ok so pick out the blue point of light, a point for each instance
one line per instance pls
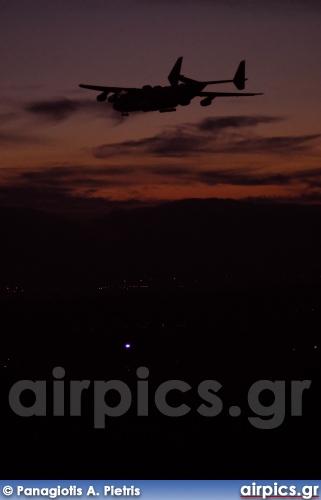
(127, 346)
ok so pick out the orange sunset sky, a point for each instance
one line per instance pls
(63, 151)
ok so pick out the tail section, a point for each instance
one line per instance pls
(239, 77)
(174, 75)
(184, 79)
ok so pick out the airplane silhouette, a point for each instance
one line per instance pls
(165, 99)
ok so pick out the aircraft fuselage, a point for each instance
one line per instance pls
(155, 98)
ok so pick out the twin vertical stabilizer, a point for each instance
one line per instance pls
(239, 77)
(174, 75)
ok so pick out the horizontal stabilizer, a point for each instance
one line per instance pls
(238, 80)
(227, 94)
(184, 79)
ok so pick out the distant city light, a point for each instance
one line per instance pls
(127, 346)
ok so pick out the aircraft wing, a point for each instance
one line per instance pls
(212, 95)
(106, 89)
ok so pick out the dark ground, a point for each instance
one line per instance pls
(203, 290)
(235, 337)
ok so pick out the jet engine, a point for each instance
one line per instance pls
(102, 97)
(206, 102)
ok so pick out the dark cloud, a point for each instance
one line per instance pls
(75, 189)
(59, 200)
(54, 111)
(164, 144)
(214, 124)
(72, 190)
(311, 178)
(59, 109)
(309, 197)
(236, 178)
(211, 135)
(103, 110)
(277, 144)
(71, 177)
(49, 175)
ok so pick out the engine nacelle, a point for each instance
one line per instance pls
(206, 102)
(102, 97)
